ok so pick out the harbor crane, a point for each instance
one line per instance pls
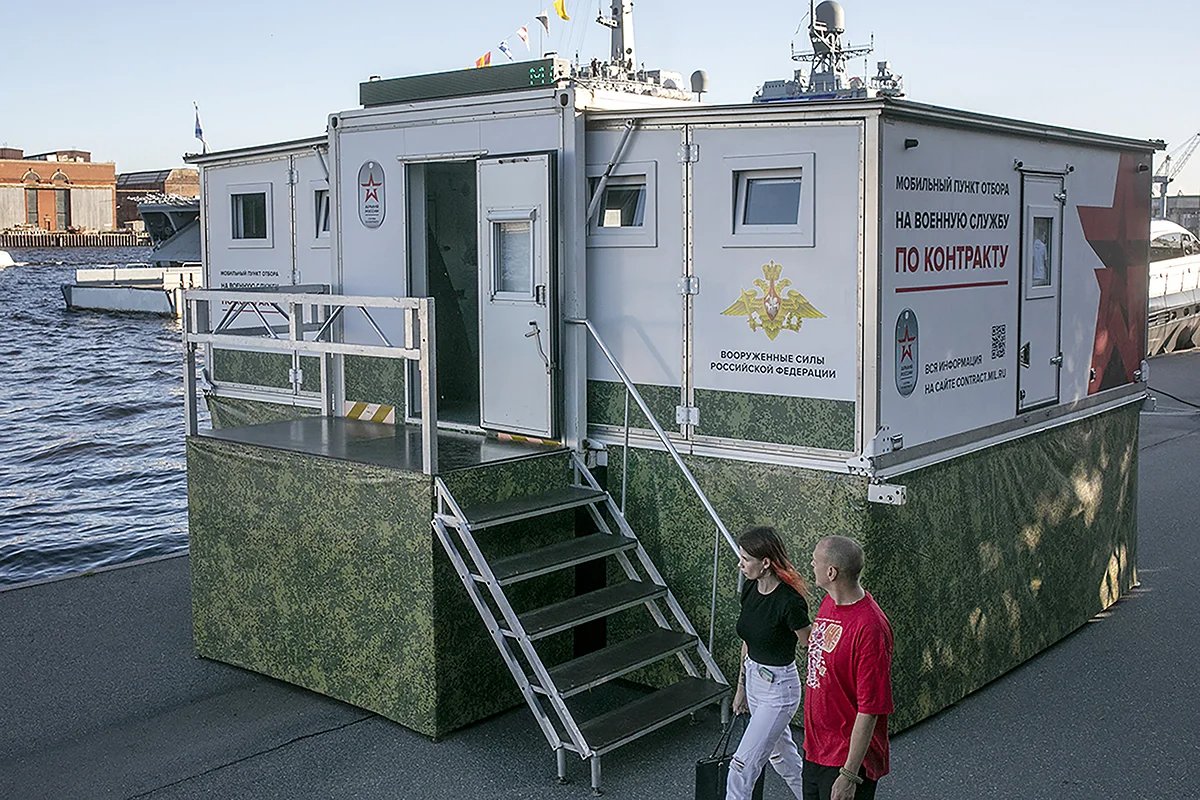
(1171, 166)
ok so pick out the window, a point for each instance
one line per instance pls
(772, 201)
(512, 243)
(1043, 253)
(321, 204)
(626, 213)
(62, 209)
(249, 215)
(624, 202)
(31, 207)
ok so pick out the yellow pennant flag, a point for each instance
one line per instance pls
(484, 60)
(561, 7)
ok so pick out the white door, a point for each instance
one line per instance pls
(1040, 357)
(516, 338)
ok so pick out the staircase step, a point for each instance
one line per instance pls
(560, 499)
(559, 555)
(618, 659)
(587, 607)
(615, 728)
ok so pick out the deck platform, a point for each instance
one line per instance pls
(391, 446)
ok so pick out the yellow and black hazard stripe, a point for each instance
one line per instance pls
(513, 437)
(371, 412)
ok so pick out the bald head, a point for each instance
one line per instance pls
(844, 553)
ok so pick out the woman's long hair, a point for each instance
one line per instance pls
(763, 541)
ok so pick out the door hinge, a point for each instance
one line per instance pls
(892, 494)
(689, 284)
(293, 177)
(687, 415)
(689, 154)
(1061, 197)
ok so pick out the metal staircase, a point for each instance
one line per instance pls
(548, 688)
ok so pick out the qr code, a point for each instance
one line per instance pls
(998, 339)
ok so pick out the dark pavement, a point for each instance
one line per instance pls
(101, 697)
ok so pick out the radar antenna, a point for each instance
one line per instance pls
(827, 23)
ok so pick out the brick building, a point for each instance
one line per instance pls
(132, 185)
(58, 190)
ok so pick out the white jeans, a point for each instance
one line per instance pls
(768, 735)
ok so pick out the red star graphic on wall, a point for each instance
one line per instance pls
(372, 188)
(1120, 235)
(906, 345)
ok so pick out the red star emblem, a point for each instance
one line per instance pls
(1120, 235)
(906, 345)
(372, 189)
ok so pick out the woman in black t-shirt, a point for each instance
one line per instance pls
(774, 617)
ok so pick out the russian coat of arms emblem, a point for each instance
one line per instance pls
(772, 305)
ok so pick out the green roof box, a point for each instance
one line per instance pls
(463, 82)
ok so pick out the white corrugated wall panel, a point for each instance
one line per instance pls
(12, 206)
(92, 209)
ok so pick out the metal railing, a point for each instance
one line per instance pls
(309, 323)
(631, 391)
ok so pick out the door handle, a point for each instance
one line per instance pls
(535, 333)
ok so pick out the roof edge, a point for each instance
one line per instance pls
(254, 150)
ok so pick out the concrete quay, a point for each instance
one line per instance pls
(103, 698)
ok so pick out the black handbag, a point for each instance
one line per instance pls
(712, 772)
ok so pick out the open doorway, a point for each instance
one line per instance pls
(444, 265)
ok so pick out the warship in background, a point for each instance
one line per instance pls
(828, 78)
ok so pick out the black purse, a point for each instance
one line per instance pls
(712, 772)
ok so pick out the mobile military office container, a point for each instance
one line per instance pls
(654, 322)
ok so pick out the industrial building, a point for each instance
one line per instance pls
(1184, 209)
(56, 191)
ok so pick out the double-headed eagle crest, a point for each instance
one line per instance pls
(778, 308)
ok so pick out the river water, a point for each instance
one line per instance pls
(91, 425)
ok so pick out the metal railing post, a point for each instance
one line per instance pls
(428, 368)
(190, 420)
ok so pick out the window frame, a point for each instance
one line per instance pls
(626, 173)
(496, 219)
(743, 170)
(1032, 214)
(320, 238)
(238, 189)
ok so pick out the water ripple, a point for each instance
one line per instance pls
(92, 469)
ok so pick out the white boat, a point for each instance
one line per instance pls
(5, 260)
(148, 288)
(1174, 309)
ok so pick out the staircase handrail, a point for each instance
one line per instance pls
(658, 429)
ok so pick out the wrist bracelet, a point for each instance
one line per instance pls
(850, 776)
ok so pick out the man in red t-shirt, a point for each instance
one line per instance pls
(848, 689)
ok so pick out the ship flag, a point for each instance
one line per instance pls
(523, 35)
(503, 48)
(484, 60)
(200, 130)
(561, 7)
(544, 18)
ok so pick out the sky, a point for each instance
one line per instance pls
(119, 78)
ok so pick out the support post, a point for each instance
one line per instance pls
(428, 387)
(595, 761)
(192, 318)
(560, 756)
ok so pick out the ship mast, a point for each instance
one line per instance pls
(621, 24)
